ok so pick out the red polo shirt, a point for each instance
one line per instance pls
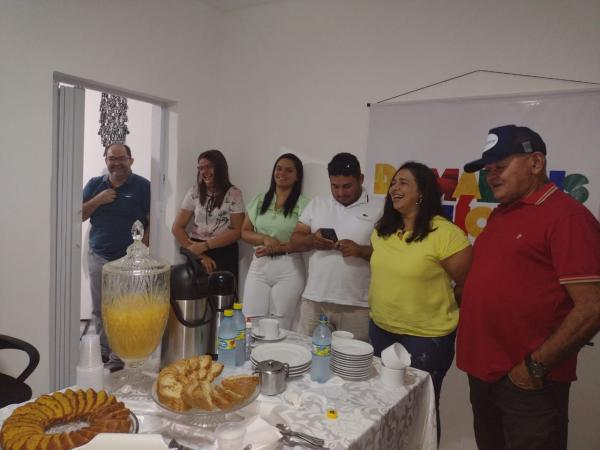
(514, 297)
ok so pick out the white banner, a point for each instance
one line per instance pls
(446, 134)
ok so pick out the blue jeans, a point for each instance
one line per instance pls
(431, 354)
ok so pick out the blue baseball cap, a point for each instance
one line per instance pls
(505, 141)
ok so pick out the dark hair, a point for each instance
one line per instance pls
(292, 199)
(221, 183)
(430, 205)
(345, 164)
(127, 149)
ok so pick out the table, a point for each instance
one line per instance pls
(370, 416)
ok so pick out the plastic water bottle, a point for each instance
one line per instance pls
(227, 334)
(321, 351)
(240, 338)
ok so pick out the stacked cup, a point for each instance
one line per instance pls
(394, 361)
(90, 370)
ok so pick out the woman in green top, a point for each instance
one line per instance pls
(276, 276)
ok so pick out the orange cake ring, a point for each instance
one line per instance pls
(28, 425)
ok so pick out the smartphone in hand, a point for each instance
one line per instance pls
(328, 233)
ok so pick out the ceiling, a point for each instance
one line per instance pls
(229, 5)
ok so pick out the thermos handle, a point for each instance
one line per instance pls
(192, 259)
(198, 271)
(191, 323)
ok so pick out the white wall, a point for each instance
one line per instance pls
(158, 48)
(298, 74)
(294, 74)
(139, 139)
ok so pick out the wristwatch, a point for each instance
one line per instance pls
(536, 369)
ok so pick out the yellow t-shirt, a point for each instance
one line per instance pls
(410, 292)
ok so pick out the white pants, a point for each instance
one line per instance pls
(274, 286)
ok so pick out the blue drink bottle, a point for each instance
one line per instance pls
(240, 338)
(321, 351)
(227, 334)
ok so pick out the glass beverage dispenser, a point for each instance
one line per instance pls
(135, 307)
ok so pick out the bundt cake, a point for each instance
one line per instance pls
(188, 383)
(26, 428)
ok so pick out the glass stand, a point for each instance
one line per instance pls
(134, 381)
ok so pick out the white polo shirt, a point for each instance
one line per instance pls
(331, 277)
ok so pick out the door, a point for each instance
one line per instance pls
(66, 230)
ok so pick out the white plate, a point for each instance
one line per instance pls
(353, 368)
(292, 354)
(129, 441)
(282, 335)
(366, 357)
(353, 347)
(350, 372)
(345, 360)
(349, 378)
(353, 377)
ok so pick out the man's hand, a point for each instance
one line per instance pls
(349, 248)
(318, 242)
(520, 377)
(106, 196)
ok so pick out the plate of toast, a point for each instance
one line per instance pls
(197, 386)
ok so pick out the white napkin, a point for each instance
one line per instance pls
(396, 356)
(260, 433)
(123, 441)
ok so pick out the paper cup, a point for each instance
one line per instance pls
(269, 328)
(392, 377)
(230, 435)
(395, 357)
(87, 377)
(89, 351)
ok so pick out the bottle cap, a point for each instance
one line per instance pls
(323, 318)
(332, 414)
(228, 312)
(237, 305)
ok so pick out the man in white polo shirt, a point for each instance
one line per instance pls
(338, 272)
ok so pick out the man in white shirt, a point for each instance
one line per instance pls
(338, 271)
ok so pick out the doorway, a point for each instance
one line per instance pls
(156, 146)
(139, 139)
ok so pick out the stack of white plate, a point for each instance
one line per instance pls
(351, 359)
(296, 356)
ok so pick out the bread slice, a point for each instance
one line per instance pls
(198, 395)
(233, 397)
(52, 403)
(90, 400)
(244, 385)
(65, 403)
(215, 370)
(33, 441)
(220, 400)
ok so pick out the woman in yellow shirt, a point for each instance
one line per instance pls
(417, 255)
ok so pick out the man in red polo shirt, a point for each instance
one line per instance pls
(531, 299)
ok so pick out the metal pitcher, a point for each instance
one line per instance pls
(273, 376)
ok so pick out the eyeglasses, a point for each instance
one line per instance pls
(117, 158)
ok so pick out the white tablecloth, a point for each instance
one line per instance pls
(370, 416)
